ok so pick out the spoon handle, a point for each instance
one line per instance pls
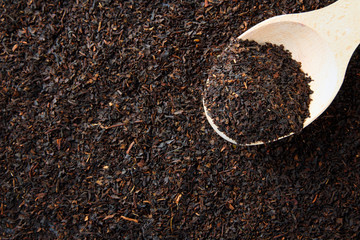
(339, 25)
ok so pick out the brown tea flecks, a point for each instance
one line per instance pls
(257, 92)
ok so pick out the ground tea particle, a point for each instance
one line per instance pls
(257, 92)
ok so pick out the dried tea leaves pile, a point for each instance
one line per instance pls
(257, 92)
(103, 136)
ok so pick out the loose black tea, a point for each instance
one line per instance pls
(257, 92)
(103, 136)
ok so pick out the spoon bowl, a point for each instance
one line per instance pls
(323, 41)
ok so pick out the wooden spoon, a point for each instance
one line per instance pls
(323, 41)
